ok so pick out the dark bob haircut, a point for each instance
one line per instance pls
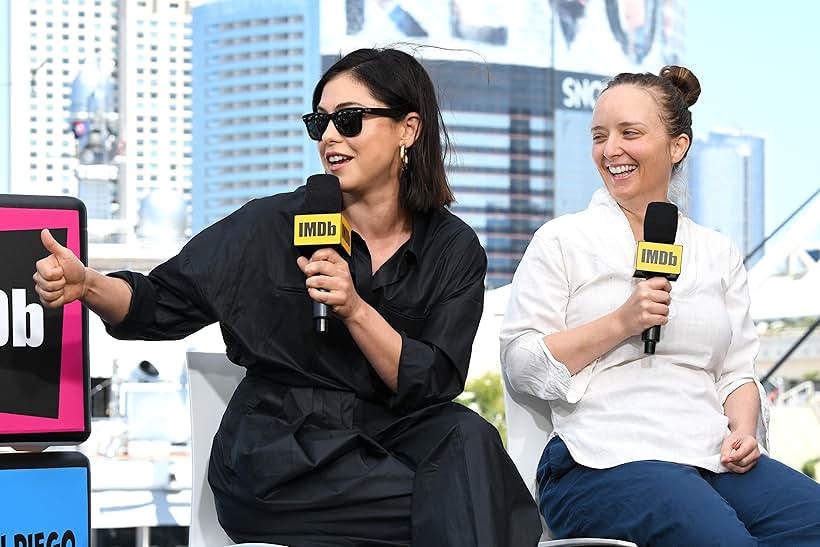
(399, 81)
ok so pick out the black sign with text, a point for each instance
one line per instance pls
(30, 335)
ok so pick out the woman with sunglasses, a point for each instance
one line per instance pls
(349, 437)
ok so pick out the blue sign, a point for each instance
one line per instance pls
(44, 506)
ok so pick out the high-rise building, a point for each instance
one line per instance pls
(516, 88)
(726, 187)
(154, 44)
(142, 49)
(254, 64)
(501, 170)
(49, 44)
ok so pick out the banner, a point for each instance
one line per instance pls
(44, 379)
(45, 501)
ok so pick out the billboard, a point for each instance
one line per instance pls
(44, 375)
(612, 36)
(586, 36)
(515, 32)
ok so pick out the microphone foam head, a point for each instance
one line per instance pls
(323, 194)
(661, 222)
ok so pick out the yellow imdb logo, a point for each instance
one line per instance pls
(658, 259)
(327, 229)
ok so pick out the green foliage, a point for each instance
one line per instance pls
(485, 396)
(810, 468)
(813, 375)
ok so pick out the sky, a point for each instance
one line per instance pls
(757, 66)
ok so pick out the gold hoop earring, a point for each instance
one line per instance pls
(404, 156)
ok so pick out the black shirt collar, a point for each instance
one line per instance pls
(405, 257)
(415, 245)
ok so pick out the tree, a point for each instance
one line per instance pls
(810, 468)
(485, 396)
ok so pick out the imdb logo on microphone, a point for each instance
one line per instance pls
(322, 230)
(658, 260)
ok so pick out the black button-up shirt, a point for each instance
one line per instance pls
(242, 272)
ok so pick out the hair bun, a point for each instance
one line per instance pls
(683, 79)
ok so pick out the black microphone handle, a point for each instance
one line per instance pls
(650, 338)
(320, 316)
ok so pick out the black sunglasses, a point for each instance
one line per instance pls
(348, 121)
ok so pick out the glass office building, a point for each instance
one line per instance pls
(726, 187)
(254, 64)
(119, 69)
(502, 167)
(155, 98)
(49, 45)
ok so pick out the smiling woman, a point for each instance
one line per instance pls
(640, 137)
(663, 448)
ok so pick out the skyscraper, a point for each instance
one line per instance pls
(142, 48)
(254, 62)
(501, 170)
(726, 187)
(49, 43)
(155, 97)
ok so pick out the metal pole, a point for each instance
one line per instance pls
(771, 235)
(143, 536)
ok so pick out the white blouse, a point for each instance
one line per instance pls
(626, 405)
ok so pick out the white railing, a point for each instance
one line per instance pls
(814, 402)
(801, 394)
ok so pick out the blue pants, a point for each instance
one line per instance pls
(655, 503)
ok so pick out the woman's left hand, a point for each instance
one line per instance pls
(328, 271)
(739, 452)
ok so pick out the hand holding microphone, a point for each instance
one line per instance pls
(657, 257)
(647, 306)
(323, 237)
(329, 284)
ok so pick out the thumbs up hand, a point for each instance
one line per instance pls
(60, 277)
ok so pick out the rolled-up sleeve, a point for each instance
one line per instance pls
(182, 295)
(537, 307)
(433, 366)
(738, 366)
(165, 305)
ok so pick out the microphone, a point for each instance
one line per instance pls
(321, 225)
(657, 255)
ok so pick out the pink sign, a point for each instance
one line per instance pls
(43, 398)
